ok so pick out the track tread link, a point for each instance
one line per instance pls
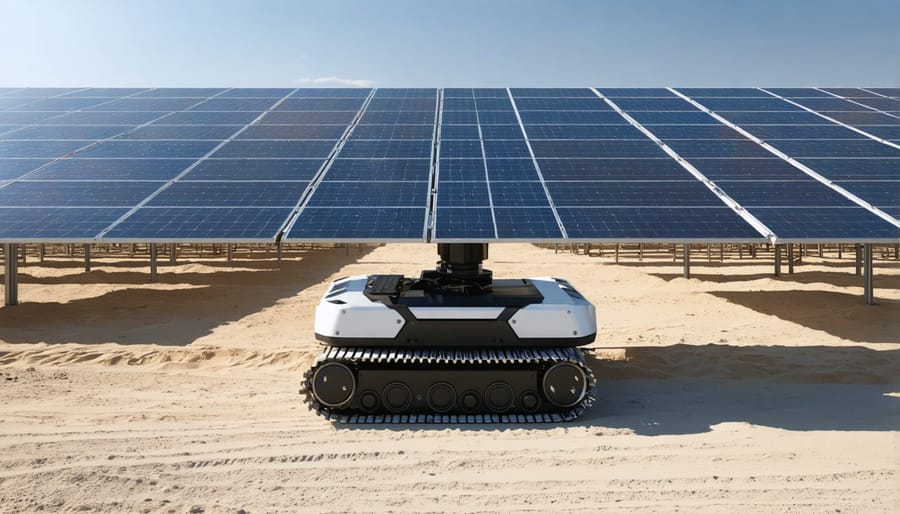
(548, 356)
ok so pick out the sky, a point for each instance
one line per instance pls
(458, 43)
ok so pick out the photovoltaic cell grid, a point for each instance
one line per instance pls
(530, 164)
(162, 164)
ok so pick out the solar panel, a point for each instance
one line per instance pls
(533, 164)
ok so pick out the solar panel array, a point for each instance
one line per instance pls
(449, 165)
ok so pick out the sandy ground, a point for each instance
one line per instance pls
(733, 391)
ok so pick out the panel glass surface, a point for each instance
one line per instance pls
(53, 223)
(199, 223)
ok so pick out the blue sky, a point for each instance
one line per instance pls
(449, 43)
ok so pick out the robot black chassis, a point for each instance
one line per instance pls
(453, 346)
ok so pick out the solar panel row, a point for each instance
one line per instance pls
(532, 164)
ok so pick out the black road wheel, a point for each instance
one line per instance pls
(334, 384)
(441, 397)
(396, 397)
(499, 397)
(565, 384)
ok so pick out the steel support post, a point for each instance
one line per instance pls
(687, 260)
(777, 260)
(173, 255)
(153, 254)
(858, 259)
(278, 250)
(790, 249)
(11, 273)
(87, 258)
(869, 288)
(230, 250)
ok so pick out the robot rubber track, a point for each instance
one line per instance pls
(397, 385)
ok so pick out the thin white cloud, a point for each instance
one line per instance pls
(335, 81)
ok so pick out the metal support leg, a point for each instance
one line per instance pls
(687, 260)
(617, 253)
(790, 259)
(42, 252)
(153, 274)
(858, 259)
(869, 289)
(87, 258)
(230, 249)
(173, 256)
(640, 252)
(278, 250)
(11, 273)
(777, 260)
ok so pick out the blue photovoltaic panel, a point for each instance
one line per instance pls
(583, 132)
(47, 224)
(25, 118)
(209, 132)
(882, 131)
(562, 104)
(394, 149)
(463, 194)
(835, 148)
(497, 132)
(459, 104)
(526, 223)
(330, 132)
(612, 169)
(340, 224)
(886, 91)
(61, 104)
(144, 149)
(402, 104)
(830, 104)
(802, 132)
(200, 223)
(255, 169)
(322, 92)
(229, 194)
(307, 118)
(394, 132)
(100, 118)
(181, 92)
(578, 117)
(497, 118)
(827, 223)
(370, 194)
(771, 168)
(748, 104)
(670, 132)
(205, 118)
(493, 104)
(733, 92)
(674, 118)
(75, 194)
(42, 92)
(880, 194)
(654, 104)
(460, 131)
(775, 118)
(490, 92)
(362, 170)
(518, 194)
(14, 168)
(454, 117)
(461, 170)
(631, 194)
(718, 148)
(552, 92)
(399, 118)
(798, 92)
(851, 92)
(703, 223)
(112, 169)
(256, 93)
(104, 92)
(627, 148)
(460, 149)
(505, 148)
(320, 104)
(860, 118)
(83, 132)
(629, 92)
(511, 169)
(406, 92)
(463, 223)
(147, 104)
(47, 149)
(235, 104)
(276, 149)
(805, 193)
(9, 103)
(882, 104)
(855, 169)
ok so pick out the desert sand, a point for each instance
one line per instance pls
(734, 391)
